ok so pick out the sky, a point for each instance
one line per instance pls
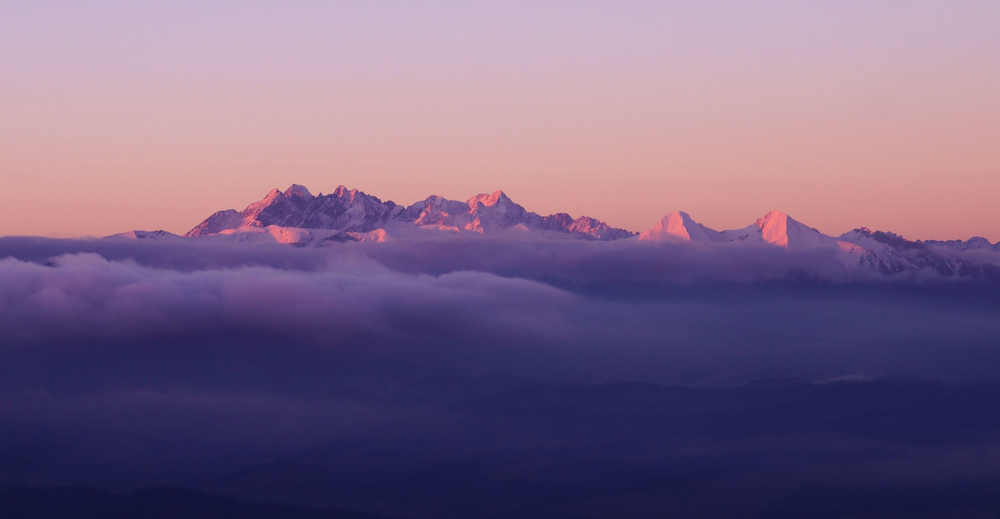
(120, 115)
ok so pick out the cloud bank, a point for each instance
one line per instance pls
(412, 378)
(581, 311)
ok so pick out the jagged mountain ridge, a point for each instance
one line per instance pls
(896, 254)
(352, 211)
(976, 243)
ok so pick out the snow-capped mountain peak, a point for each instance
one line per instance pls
(679, 226)
(298, 191)
(778, 228)
(489, 200)
(771, 217)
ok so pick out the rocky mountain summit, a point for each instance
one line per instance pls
(343, 210)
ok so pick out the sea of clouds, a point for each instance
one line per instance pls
(591, 311)
(139, 363)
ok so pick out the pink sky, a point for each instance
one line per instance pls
(122, 116)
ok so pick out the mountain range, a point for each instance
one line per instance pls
(360, 216)
(297, 217)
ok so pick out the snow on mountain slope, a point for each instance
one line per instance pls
(679, 226)
(894, 254)
(353, 211)
(778, 228)
(494, 212)
(775, 228)
(590, 226)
